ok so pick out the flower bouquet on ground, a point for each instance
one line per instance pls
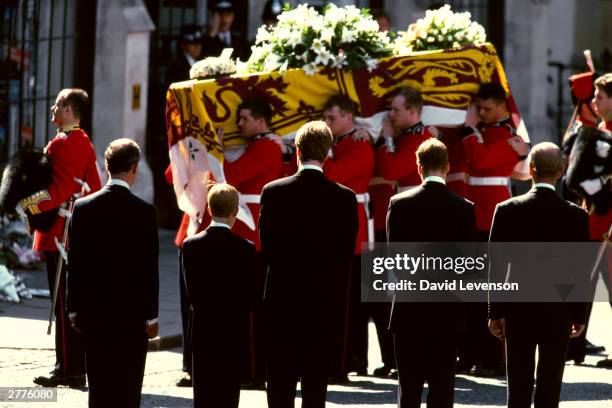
(341, 37)
(212, 67)
(440, 29)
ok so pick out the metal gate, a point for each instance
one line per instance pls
(38, 43)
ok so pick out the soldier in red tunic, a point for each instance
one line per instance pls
(351, 163)
(403, 133)
(258, 165)
(492, 149)
(73, 159)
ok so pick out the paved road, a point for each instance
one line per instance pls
(584, 386)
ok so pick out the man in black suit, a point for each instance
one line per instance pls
(426, 335)
(537, 216)
(189, 52)
(113, 280)
(308, 227)
(220, 34)
(220, 280)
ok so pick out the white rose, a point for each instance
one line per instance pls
(327, 34)
(347, 35)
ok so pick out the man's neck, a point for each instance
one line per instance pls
(73, 123)
(544, 181)
(310, 163)
(440, 174)
(227, 221)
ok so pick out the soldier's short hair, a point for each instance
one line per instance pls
(343, 102)
(604, 83)
(432, 155)
(77, 99)
(258, 107)
(546, 160)
(121, 155)
(412, 98)
(314, 140)
(493, 91)
(222, 200)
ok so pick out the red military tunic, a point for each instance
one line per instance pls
(491, 161)
(260, 164)
(352, 165)
(73, 157)
(401, 165)
(456, 179)
(600, 224)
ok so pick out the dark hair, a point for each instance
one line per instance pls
(222, 200)
(121, 155)
(77, 99)
(493, 91)
(314, 140)
(343, 102)
(412, 98)
(604, 83)
(432, 155)
(258, 107)
(380, 13)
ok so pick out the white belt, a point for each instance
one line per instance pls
(488, 181)
(401, 189)
(251, 198)
(365, 200)
(460, 176)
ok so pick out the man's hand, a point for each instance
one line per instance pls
(220, 133)
(387, 127)
(471, 119)
(497, 327)
(592, 186)
(577, 330)
(434, 131)
(518, 144)
(361, 135)
(152, 330)
(285, 148)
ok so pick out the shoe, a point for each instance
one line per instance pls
(464, 367)
(394, 374)
(55, 380)
(606, 363)
(185, 381)
(338, 380)
(382, 372)
(590, 348)
(480, 371)
(254, 385)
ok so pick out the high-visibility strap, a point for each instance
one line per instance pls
(459, 176)
(488, 181)
(364, 199)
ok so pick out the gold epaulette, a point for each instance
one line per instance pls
(30, 204)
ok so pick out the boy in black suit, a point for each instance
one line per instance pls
(219, 279)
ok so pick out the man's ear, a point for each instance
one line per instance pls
(134, 168)
(531, 169)
(235, 214)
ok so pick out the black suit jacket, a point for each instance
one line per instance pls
(308, 226)
(219, 272)
(178, 71)
(113, 260)
(540, 215)
(213, 46)
(430, 213)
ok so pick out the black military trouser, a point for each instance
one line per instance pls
(69, 348)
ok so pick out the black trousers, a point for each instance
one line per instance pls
(69, 348)
(521, 366)
(358, 314)
(380, 313)
(478, 346)
(216, 374)
(115, 369)
(186, 320)
(425, 357)
(299, 348)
